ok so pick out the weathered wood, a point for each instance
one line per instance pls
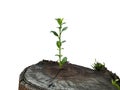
(46, 75)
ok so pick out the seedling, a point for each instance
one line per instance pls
(98, 66)
(114, 83)
(59, 42)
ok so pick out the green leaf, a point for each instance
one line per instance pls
(64, 41)
(64, 23)
(65, 28)
(64, 60)
(59, 27)
(58, 44)
(58, 55)
(55, 33)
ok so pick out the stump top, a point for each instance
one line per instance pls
(48, 76)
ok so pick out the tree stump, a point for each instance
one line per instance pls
(46, 75)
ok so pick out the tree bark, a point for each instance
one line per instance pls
(46, 75)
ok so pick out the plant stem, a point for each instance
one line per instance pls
(60, 45)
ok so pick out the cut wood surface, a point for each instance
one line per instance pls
(46, 75)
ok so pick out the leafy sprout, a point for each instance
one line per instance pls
(98, 66)
(60, 42)
(114, 83)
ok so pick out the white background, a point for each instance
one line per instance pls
(25, 38)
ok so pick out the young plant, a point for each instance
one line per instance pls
(114, 83)
(59, 42)
(98, 66)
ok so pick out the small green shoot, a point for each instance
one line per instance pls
(98, 66)
(114, 83)
(59, 42)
